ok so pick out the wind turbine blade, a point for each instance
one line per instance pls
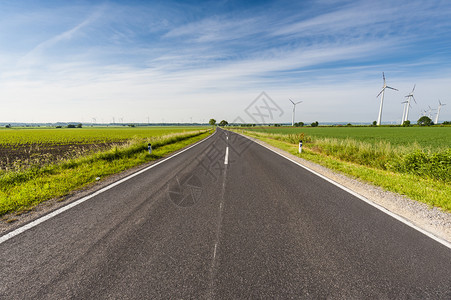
(298, 102)
(414, 99)
(405, 102)
(392, 88)
(383, 76)
(291, 101)
(413, 88)
(380, 93)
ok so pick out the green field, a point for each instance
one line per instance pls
(432, 138)
(87, 135)
(21, 148)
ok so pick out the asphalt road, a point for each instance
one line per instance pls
(203, 224)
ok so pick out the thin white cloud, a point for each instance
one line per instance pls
(219, 28)
(35, 55)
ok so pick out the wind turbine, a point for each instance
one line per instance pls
(440, 104)
(294, 108)
(423, 113)
(382, 98)
(409, 97)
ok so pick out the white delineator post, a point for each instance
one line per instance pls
(149, 147)
(300, 146)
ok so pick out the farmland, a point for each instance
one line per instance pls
(431, 138)
(21, 148)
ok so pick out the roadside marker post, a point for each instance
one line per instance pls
(149, 147)
(300, 146)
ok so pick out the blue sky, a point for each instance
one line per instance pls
(192, 60)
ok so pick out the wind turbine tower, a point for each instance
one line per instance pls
(409, 97)
(404, 111)
(382, 98)
(440, 104)
(294, 109)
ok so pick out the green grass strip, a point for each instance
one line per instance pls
(432, 192)
(22, 190)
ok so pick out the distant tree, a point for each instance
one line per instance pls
(425, 121)
(299, 124)
(222, 123)
(59, 126)
(131, 125)
(374, 123)
(314, 124)
(79, 125)
(446, 123)
(406, 123)
(8, 126)
(349, 124)
(71, 126)
(212, 122)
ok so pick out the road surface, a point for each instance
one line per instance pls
(226, 219)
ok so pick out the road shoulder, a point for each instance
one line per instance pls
(433, 220)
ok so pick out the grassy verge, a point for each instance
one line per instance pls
(22, 190)
(432, 191)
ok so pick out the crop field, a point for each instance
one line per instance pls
(20, 148)
(431, 138)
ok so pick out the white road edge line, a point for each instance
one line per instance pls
(381, 208)
(226, 159)
(214, 252)
(42, 219)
